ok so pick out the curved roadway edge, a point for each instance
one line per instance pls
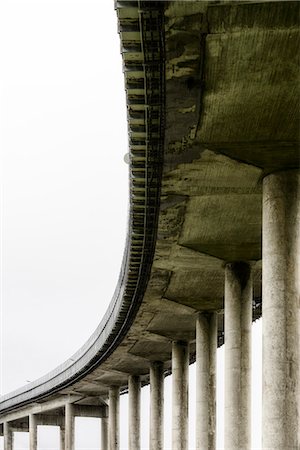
(140, 27)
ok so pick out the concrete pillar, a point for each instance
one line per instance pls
(180, 379)
(69, 426)
(156, 406)
(134, 412)
(238, 322)
(32, 432)
(8, 436)
(113, 418)
(62, 438)
(206, 352)
(280, 311)
(104, 433)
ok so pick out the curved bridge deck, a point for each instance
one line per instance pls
(213, 110)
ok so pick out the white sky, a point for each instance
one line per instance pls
(63, 135)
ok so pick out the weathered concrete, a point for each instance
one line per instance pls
(113, 418)
(281, 227)
(104, 434)
(62, 438)
(214, 135)
(8, 436)
(32, 432)
(134, 412)
(180, 382)
(156, 438)
(206, 353)
(69, 426)
(238, 321)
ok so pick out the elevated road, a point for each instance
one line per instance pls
(213, 116)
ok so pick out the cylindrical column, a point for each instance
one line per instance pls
(113, 418)
(69, 426)
(206, 352)
(238, 322)
(156, 405)
(8, 436)
(180, 379)
(134, 412)
(32, 432)
(104, 433)
(62, 443)
(280, 311)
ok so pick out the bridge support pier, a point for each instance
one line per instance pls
(104, 433)
(113, 418)
(32, 432)
(180, 379)
(280, 311)
(69, 426)
(8, 436)
(206, 352)
(134, 413)
(156, 405)
(62, 438)
(238, 322)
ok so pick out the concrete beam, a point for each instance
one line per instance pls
(43, 407)
(180, 380)
(156, 406)
(280, 311)
(134, 412)
(91, 411)
(54, 420)
(206, 353)
(238, 322)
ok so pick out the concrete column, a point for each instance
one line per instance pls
(238, 322)
(69, 426)
(206, 352)
(180, 379)
(134, 412)
(113, 418)
(8, 436)
(280, 311)
(104, 433)
(32, 432)
(156, 406)
(62, 438)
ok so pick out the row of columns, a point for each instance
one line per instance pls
(281, 409)
(281, 332)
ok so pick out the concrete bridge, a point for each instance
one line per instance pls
(213, 237)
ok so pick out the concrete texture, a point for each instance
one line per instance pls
(134, 412)
(180, 389)
(62, 438)
(33, 432)
(238, 321)
(104, 434)
(114, 418)
(281, 357)
(8, 436)
(156, 431)
(213, 107)
(69, 426)
(206, 354)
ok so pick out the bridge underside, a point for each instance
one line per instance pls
(231, 120)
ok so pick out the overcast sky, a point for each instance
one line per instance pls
(64, 190)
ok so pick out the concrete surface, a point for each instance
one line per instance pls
(213, 108)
